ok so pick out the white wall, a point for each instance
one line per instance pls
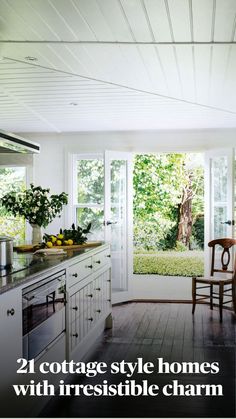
(50, 165)
(161, 287)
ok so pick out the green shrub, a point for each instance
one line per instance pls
(198, 231)
(150, 233)
(180, 247)
(170, 264)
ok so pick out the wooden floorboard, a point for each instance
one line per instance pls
(168, 331)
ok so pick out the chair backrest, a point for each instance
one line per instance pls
(226, 244)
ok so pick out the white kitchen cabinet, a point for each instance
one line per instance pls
(89, 299)
(10, 340)
(88, 306)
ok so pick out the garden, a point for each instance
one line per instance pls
(169, 214)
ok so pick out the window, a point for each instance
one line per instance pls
(12, 179)
(89, 194)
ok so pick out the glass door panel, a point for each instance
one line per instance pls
(220, 196)
(118, 226)
(118, 223)
(219, 199)
(102, 195)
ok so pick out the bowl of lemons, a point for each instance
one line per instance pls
(76, 235)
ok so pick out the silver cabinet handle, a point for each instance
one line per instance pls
(75, 275)
(75, 335)
(75, 308)
(11, 312)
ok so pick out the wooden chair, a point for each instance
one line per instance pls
(225, 285)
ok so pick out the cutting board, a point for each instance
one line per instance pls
(30, 248)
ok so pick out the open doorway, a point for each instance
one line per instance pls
(168, 209)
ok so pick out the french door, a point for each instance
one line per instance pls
(220, 178)
(118, 219)
(102, 195)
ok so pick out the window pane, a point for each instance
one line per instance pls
(219, 195)
(118, 226)
(84, 216)
(90, 181)
(118, 181)
(12, 179)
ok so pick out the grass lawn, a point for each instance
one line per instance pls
(170, 263)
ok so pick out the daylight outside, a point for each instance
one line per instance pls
(168, 209)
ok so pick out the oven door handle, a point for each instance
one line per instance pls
(28, 298)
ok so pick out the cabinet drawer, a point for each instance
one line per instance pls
(79, 271)
(101, 259)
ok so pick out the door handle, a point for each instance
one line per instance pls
(229, 222)
(107, 223)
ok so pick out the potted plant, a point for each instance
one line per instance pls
(36, 205)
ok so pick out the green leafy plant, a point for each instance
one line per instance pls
(74, 235)
(34, 204)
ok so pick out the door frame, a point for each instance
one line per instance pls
(123, 295)
(229, 152)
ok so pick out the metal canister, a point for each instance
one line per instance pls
(6, 252)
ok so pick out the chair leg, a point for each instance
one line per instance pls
(211, 297)
(221, 295)
(193, 294)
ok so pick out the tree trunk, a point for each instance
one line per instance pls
(185, 216)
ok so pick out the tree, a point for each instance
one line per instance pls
(168, 198)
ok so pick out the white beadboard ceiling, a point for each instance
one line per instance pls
(81, 65)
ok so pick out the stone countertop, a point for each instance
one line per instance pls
(29, 266)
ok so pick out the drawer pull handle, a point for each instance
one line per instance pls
(75, 335)
(98, 311)
(108, 256)
(97, 261)
(90, 295)
(98, 289)
(89, 266)
(109, 300)
(75, 308)
(11, 312)
(90, 319)
(108, 280)
(75, 275)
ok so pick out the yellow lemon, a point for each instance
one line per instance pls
(53, 239)
(70, 242)
(65, 242)
(58, 242)
(60, 236)
(49, 244)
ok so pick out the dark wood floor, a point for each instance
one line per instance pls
(168, 331)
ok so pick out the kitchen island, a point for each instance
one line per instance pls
(52, 308)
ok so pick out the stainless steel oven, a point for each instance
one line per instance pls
(43, 314)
